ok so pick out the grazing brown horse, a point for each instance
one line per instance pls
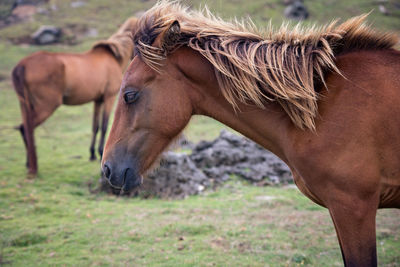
(43, 81)
(326, 101)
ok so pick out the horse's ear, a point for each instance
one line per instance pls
(172, 35)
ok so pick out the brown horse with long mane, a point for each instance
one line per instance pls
(326, 101)
(43, 81)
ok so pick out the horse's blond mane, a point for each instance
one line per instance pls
(120, 43)
(252, 66)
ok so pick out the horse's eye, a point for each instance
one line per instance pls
(131, 96)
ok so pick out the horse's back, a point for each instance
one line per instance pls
(89, 75)
(76, 78)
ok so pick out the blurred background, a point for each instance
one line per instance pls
(61, 218)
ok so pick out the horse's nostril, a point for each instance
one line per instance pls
(107, 171)
(125, 176)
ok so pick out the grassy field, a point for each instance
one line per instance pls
(54, 220)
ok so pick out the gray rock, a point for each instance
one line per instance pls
(77, 4)
(383, 10)
(182, 143)
(296, 11)
(92, 32)
(176, 177)
(231, 154)
(47, 35)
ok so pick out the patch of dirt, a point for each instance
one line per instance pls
(220, 243)
(15, 11)
(24, 12)
(21, 40)
(243, 247)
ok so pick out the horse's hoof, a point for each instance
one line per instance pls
(93, 158)
(31, 175)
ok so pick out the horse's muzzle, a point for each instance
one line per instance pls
(122, 177)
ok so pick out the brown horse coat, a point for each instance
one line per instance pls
(325, 101)
(43, 81)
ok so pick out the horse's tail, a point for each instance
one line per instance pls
(27, 110)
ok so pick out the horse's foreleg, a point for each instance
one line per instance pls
(354, 221)
(108, 104)
(95, 128)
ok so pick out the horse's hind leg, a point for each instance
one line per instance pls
(21, 129)
(354, 221)
(30, 141)
(26, 129)
(32, 119)
(108, 104)
(95, 128)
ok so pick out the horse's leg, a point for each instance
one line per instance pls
(29, 127)
(354, 221)
(27, 111)
(95, 128)
(21, 129)
(34, 118)
(108, 104)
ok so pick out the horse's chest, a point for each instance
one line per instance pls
(300, 183)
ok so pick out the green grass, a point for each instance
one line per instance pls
(54, 220)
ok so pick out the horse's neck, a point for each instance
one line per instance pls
(267, 127)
